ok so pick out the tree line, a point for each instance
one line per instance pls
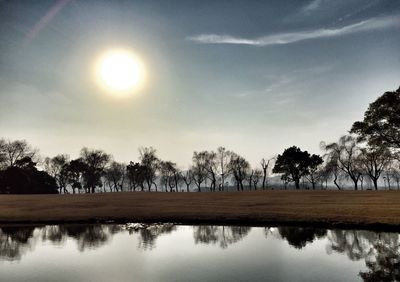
(368, 154)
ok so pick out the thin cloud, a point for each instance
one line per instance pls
(292, 37)
(313, 5)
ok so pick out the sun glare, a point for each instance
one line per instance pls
(119, 71)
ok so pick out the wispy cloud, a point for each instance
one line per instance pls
(313, 5)
(291, 37)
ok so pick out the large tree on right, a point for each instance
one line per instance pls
(381, 124)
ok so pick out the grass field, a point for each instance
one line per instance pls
(361, 209)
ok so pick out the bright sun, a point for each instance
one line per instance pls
(119, 71)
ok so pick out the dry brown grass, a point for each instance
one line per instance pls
(364, 209)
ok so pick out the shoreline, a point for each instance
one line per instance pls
(371, 210)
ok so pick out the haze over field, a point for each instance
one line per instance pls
(253, 76)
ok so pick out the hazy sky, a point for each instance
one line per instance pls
(254, 76)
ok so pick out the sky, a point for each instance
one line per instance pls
(252, 76)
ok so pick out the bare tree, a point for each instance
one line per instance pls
(75, 170)
(95, 163)
(136, 176)
(249, 177)
(13, 151)
(211, 165)
(240, 168)
(187, 177)
(395, 172)
(223, 158)
(115, 175)
(265, 165)
(170, 175)
(57, 167)
(314, 169)
(165, 168)
(257, 175)
(199, 168)
(176, 178)
(374, 161)
(346, 153)
(150, 162)
(2, 153)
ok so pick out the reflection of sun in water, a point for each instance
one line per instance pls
(119, 71)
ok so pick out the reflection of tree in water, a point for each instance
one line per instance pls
(91, 236)
(356, 244)
(14, 241)
(385, 266)
(381, 252)
(148, 233)
(297, 237)
(223, 235)
(86, 236)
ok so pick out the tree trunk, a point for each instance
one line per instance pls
(335, 182)
(355, 185)
(375, 181)
(264, 178)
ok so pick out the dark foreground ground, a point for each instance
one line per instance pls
(352, 209)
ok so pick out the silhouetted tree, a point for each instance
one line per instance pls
(265, 165)
(257, 175)
(115, 176)
(381, 124)
(187, 177)
(374, 161)
(57, 167)
(74, 171)
(150, 163)
(395, 172)
(166, 168)
(136, 174)
(223, 158)
(2, 154)
(170, 175)
(24, 178)
(13, 151)
(314, 170)
(95, 162)
(199, 168)
(176, 178)
(240, 168)
(211, 164)
(346, 154)
(294, 164)
(250, 178)
(332, 170)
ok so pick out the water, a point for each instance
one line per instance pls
(167, 252)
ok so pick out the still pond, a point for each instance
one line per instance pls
(168, 252)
